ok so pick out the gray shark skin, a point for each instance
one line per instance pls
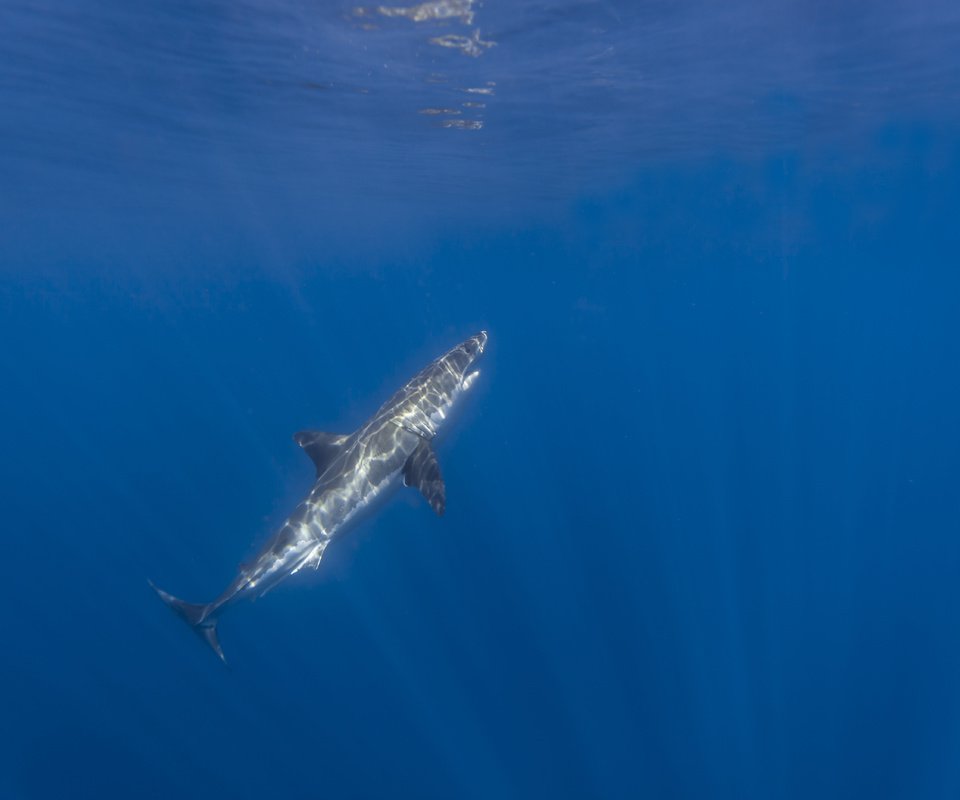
(355, 472)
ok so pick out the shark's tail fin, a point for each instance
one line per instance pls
(197, 616)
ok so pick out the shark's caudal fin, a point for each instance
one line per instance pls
(195, 615)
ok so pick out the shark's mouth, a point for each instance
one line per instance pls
(468, 379)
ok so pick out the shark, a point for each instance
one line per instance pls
(355, 474)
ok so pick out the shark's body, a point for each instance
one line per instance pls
(354, 472)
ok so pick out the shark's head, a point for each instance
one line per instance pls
(460, 360)
(432, 394)
(424, 404)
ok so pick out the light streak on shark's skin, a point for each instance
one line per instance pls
(354, 472)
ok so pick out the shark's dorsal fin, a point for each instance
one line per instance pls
(321, 447)
(423, 472)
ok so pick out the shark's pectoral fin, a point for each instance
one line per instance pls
(423, 472)
(321, 447)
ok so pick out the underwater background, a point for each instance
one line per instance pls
(702, 535)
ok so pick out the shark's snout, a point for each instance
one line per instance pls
(475, 344)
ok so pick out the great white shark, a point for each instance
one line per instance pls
(355, 473)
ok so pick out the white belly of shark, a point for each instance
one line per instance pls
(356, 473)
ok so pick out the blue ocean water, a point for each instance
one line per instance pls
(702, 535)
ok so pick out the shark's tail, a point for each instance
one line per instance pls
(197, 616)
